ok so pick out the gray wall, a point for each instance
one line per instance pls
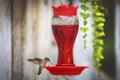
(5, 40)
(117, 37)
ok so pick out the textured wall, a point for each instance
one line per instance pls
(18, 16)
(5, 40)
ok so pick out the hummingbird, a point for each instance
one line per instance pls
(40, 62)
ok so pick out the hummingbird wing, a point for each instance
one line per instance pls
(35, 61)
(40, 70)
(39, 59)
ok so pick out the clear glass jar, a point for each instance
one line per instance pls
(65, 29)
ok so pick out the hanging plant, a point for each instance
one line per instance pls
(98, 25)
(85, 15)
(99, 19)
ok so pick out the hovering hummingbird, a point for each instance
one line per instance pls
(40, 62)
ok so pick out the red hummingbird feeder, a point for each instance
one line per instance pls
(65, 26)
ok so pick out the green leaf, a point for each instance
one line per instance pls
(98, 41)
(84, 29)
(82, 14)
(101, 34)
(98, 52)
(99, 14)
(85, 47)
(98, 34)
(101, 7)
(101, 57)
(96, 7)
(101, 24)
(84, 7)
(99, 47)
(96, 59)
(101, 19)
(94, 25)
(98, 19)
(85, 15)
(85, 35)
(85, 22)
(98, 65)
(98, 26)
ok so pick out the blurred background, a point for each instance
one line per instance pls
(25, 32)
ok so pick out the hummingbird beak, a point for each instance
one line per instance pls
(51, 63)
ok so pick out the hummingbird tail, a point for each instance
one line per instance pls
(39, 70)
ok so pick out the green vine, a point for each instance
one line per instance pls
(84, 13)
(98, 25)
(99, 19)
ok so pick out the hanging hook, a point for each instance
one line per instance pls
(61, 2)
(68, 2)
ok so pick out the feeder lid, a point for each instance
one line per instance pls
(65, 10)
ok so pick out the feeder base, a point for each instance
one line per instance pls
(65, 70)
